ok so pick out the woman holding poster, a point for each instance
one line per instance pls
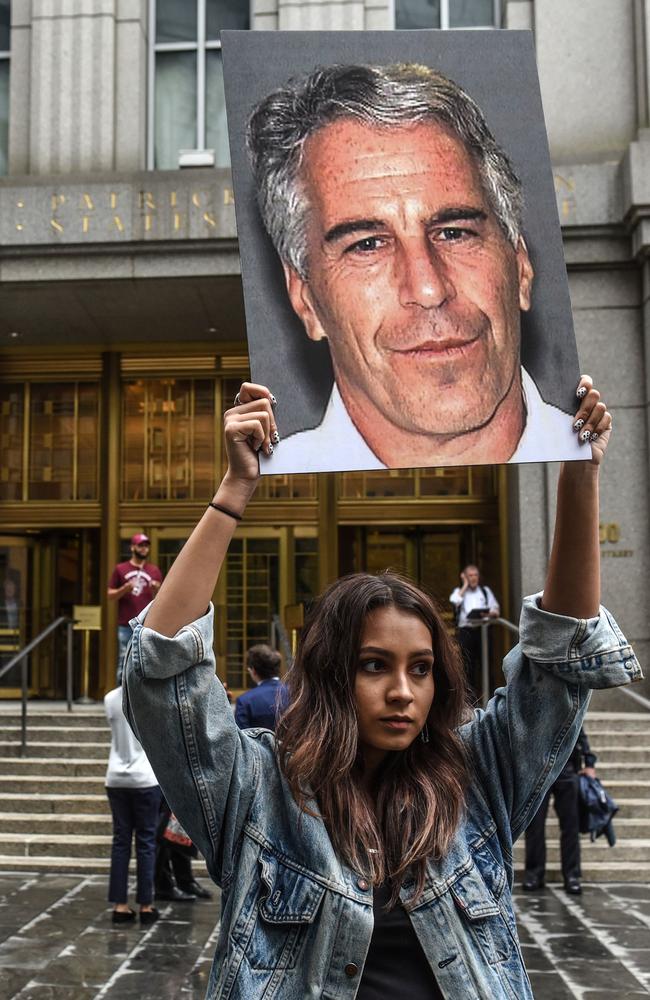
(365, 850)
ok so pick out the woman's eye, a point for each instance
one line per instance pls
(421, 669)
(371, 666)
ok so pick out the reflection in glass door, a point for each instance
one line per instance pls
(252, 599)
(16, 560)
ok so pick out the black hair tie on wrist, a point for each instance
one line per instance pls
(225, 510)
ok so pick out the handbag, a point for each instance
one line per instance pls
(175, 834)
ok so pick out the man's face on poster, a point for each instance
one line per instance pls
(409, 276)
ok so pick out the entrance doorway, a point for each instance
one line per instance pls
(44, 575)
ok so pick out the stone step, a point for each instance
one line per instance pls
(616, 770)
(617, 738)
(609, 871)
(69, 823)
(624, 754)
(51, 734)
(50, 766)
(630, 807)
(28, 784)
(41, 717)
(627, 789)
(49, 803)
(629, 722)
(626, 849)
(83, 866)
(37, 749)
(624, 826)
(31, 845)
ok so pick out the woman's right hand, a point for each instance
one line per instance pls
(248, 427)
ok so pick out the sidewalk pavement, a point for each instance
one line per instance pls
(57, 943)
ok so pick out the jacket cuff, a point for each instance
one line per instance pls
(157, 656)
(589, 651)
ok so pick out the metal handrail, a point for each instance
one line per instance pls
(484, 624)
(21, 657)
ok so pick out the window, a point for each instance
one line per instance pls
(49, 441)
(168, 435)
(5, 46)
(186, 99)
(447, 13)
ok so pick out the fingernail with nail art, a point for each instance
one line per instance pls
(579, 424)
(581, 392)
(274, 400)
(585, 436)
(270, 449)
(594, 436)
(275, 437)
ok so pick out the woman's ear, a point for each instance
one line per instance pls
(301, 299)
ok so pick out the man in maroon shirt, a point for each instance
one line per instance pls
(133, 585)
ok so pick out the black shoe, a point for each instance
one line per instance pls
(175, 895)
(148, 917)
(194, 889)
(123, 916)
(573, 887)
(532, 883)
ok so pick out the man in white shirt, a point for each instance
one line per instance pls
(398, 220)
(472, 601)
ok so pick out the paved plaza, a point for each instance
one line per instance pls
(57, 943)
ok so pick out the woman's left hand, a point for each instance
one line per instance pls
(593, 421)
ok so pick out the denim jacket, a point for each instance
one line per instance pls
(296, 922)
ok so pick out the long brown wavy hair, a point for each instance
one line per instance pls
(419, 794)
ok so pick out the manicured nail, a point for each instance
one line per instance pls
(594, 436)
(585, 436)
(275, 437)
(274, 400)
(581, 392)
(270, 451)
(579, 424)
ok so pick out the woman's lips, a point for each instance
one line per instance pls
(399, 725)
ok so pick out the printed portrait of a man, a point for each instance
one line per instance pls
(398, 222)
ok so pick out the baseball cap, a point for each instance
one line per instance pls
(139, 539)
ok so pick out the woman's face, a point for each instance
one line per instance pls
(394, 684)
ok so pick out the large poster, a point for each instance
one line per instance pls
(404, 283)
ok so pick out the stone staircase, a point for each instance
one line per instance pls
(621, 741)
(54, 814)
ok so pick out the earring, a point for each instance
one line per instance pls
(424, 733)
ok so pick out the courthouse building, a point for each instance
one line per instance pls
(122, 329)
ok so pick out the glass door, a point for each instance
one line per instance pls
(16, 605)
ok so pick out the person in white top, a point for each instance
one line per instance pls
(472, 601)
(398, 221)
(134, 796)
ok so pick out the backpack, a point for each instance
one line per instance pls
(597, 810)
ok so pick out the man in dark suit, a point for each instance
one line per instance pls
(264, 703)
(566, 793)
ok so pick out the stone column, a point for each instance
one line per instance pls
(78, 86)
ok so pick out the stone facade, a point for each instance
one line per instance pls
(78, 107)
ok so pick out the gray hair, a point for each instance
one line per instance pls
(379, 96)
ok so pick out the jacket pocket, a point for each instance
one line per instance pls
(482, 916)
(285, 904)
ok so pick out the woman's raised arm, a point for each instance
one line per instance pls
(573, 578)
(189, 585)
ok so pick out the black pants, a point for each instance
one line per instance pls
(565, 793)
(134, 809)
(469, 640)
(170, 858)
